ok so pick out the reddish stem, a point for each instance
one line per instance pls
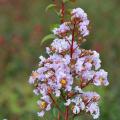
(55, 2)
(55, 103)
(68, 41)
(59, 116)
(73, 32)
(62, 12)
(85, 85)
(66, 113)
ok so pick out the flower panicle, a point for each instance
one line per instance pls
(61, 75)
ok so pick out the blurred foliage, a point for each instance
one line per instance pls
(23, 23)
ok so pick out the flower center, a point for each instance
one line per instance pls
(63, 82)
(43, 105)
(101, 80)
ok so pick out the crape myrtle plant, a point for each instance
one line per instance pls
(61, 79)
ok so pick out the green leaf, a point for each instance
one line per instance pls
(47, 37)
(55, 111)
(54, 26)
(58, 13)
(50, 6)
(69, 10)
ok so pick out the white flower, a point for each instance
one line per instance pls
(66, 59)
(68, 102)
(96, 60)
(42, 59)
(36, 92)
(44, 104)
(63, 28)
(79, 65)
(76, 110)
(41, 114)
(94, 110)
(48, 50)
(90, 96)
(77, 100)
(78, 89)
(79, 13)
(33, 77)
(48, 107)
(66, 80)
(101, 78)
(31, 80)
(60, 45)
(88, 65)
(57, 93)
(88, 75)
(81, 17)
(78, 103)
(84, 30)
(82, 105)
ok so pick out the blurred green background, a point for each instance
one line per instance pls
(22, 25)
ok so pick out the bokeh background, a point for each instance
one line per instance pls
(23, 23)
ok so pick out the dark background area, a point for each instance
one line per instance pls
(23, 23)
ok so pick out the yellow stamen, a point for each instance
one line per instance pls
(63, 82)
(101, 80)
(43, 105)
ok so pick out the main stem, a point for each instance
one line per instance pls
(59, 116)
(62, 11)
(73, 37)
(71, 53)
(55, 2)
(62, 21)
(67, 113)
(71, 50)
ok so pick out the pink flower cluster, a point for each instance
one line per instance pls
(78, 17)
(61, 75)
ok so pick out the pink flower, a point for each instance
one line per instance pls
(94, 110)
(78, 15)
(44, 104)
(62, 30)
(101, 78)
